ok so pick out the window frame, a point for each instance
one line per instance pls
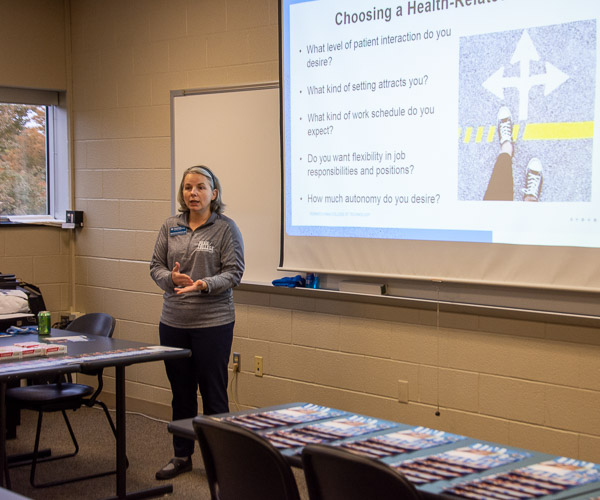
(58, 193)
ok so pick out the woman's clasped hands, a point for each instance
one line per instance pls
(184, 284)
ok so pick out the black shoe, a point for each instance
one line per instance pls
(175, 467)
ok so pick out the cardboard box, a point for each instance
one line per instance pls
(53, 349)
(10, 353)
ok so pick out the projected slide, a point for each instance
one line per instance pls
(464, 120)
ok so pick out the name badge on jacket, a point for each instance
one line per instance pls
(174, 231)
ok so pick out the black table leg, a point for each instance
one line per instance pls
(121, 433)
(4, 475)
(122, 448)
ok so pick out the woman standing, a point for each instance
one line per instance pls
(198, 258)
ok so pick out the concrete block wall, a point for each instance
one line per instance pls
(511, 381)
(33, 35)
(40, 256)
(126, 58)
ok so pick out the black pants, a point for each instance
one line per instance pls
(206, 369)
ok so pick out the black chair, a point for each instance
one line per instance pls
(334, 473)
(241, 464)
(62, 395)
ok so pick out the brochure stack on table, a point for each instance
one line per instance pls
(457, 463)
(538, 480)
(401, 442)
(284, 417)
(326, 432)
(460, 466)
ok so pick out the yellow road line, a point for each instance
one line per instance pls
(556, 131)
(479, 134)
(468, 131)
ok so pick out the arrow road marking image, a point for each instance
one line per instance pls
(546, 76)
(524, 54)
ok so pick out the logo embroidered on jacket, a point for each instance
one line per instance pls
(205, 246)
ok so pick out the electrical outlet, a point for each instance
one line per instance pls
(237, 362)
(402, 391)
(258, 366)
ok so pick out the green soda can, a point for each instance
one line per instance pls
(44, 323)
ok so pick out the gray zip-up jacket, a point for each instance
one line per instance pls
(214, 253)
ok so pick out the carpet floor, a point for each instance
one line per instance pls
(148, 449)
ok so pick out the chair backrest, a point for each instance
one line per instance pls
(101, 324)
(241, 464)
(334, 473)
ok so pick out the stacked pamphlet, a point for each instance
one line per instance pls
(285, 416)
(41, 348)
(457, 463)
(22, 350)
(325, 432)
(537, 480)
(43, 355)
(34, 363)
(398, 442)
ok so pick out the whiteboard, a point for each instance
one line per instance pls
(235, 132)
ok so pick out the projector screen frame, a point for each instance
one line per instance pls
(563, 269)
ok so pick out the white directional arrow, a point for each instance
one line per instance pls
(554, 78)
(525, 52)
(497, 83)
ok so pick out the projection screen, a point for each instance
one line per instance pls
(442, 139)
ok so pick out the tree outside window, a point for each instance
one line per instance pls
(23, 160)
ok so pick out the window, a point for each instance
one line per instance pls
(23, 160)
(34, 173)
